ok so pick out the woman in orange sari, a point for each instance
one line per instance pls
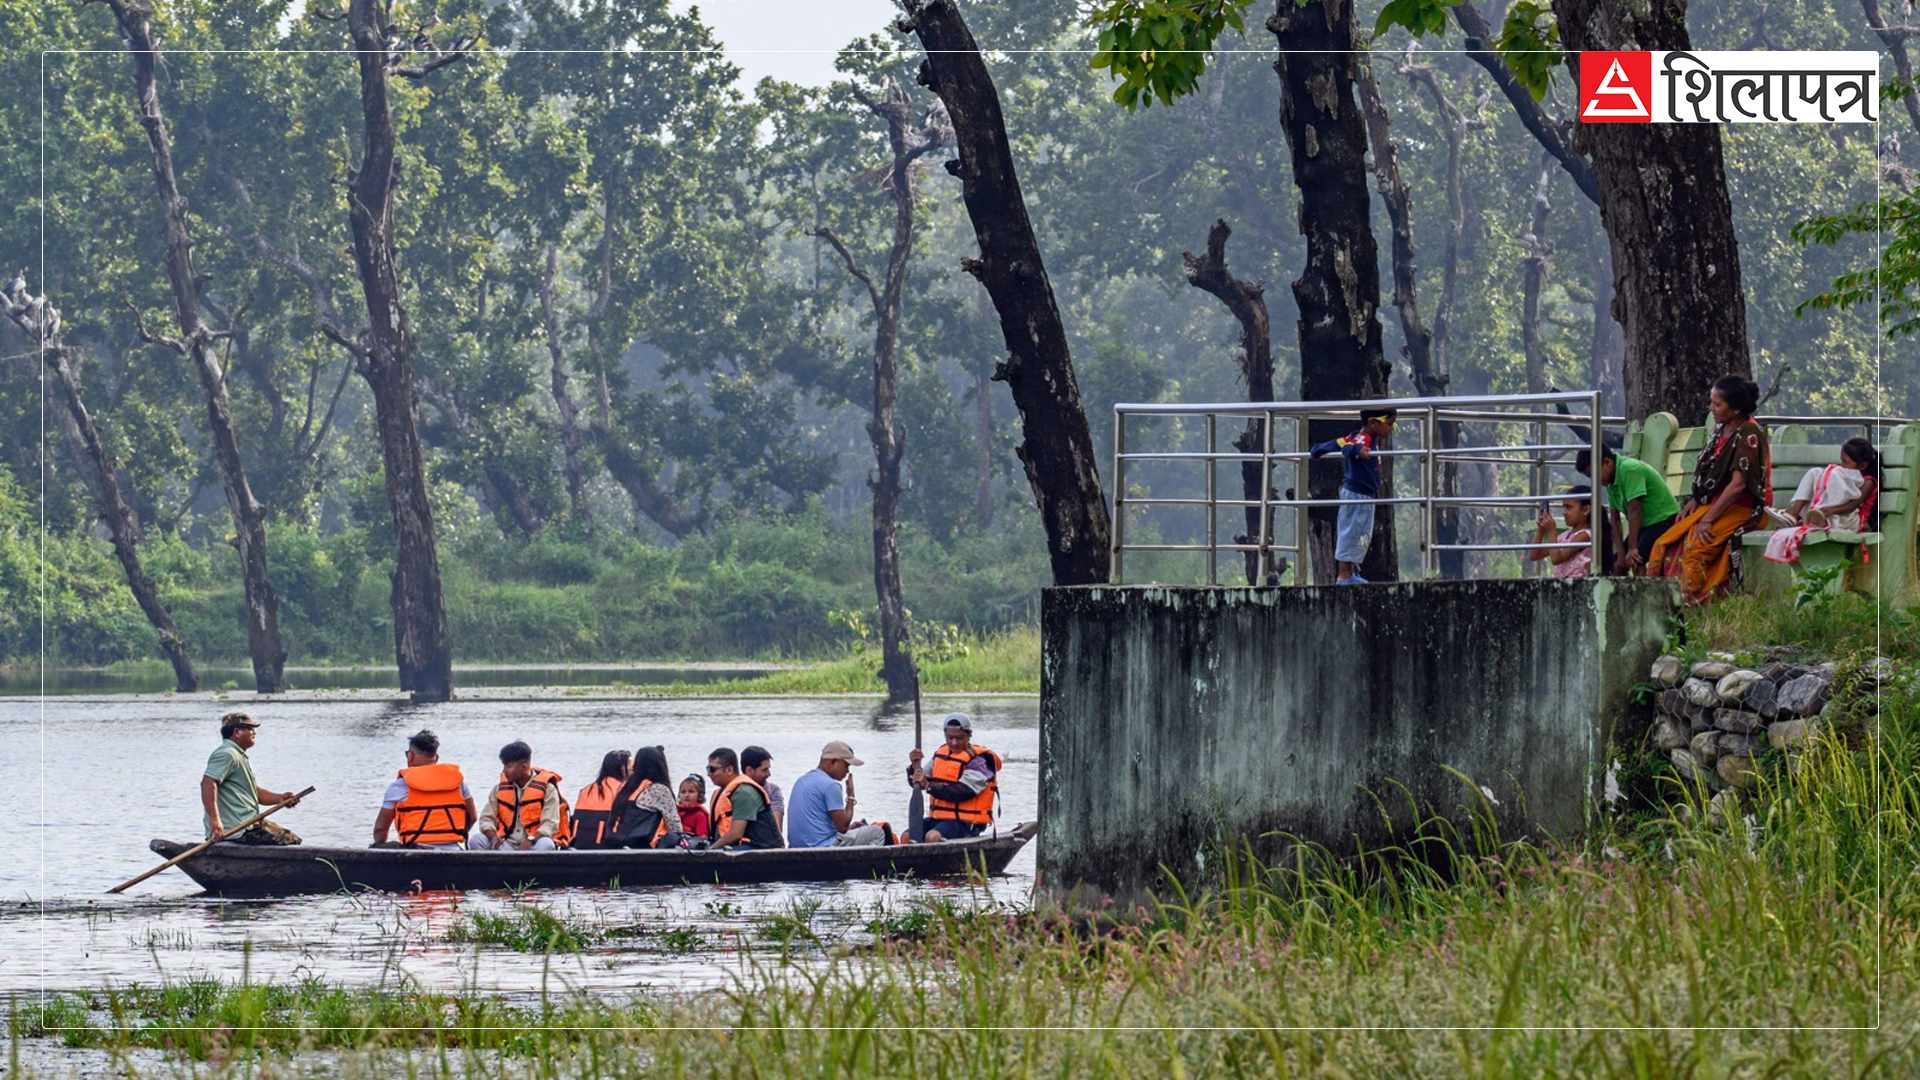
(1731, 489)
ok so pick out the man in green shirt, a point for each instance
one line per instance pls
(228, 792)
(1639, 493)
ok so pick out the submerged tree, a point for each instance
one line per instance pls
(422, 645)
(197, 343)
(41, 321)
(907, 143)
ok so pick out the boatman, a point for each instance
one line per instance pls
(228, 792)
(429, 801)
(741, 814)
(961, 785)
(529, 813)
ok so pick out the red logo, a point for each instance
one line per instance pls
(1616, 87)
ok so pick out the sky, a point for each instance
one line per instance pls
(795, 40)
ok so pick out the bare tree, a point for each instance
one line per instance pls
(907, 145)
(197, 343)
(422, 645)
(1247, 301)
(41, 322)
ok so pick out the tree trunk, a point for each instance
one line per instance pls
(1056, 448)
(1603, 345)
(983, 427)
(1339, 292)
(197, 343)
(1663, 200)
(883, 430)
(1533, 281)
(35, 317)
(423, 647)
(1432, 377)
(570, 438)
(1247, 301)
(1895, 39)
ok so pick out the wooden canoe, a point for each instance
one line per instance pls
(244, 870)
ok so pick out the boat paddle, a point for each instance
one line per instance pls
(198, 848)
(916, 803)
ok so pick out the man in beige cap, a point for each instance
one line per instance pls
(820, 806)
(229, 794)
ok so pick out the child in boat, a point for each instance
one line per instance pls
(693, 806)
(1838, 496)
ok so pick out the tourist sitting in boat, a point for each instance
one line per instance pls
(593, 807)
(741, 815)
(823, 805)
(693, 807)
(643, 809)
(529, 813)
(428, 802)
(1836, 497)
(961, 784)
(756, 764)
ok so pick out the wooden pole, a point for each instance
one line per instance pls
(198, 848)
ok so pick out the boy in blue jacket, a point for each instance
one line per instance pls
(1358, 489)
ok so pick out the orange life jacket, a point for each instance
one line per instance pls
(434, 811)
(761, 831)
(946, 769)
(511, 804)
(593, 813)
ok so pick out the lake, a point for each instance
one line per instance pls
(103, 774)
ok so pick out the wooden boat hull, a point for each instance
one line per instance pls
(243, 870)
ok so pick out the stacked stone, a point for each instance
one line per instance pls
(1710, 716)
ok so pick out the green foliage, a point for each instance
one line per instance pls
(1815, 584)
(1417, 17)
(1529, 44)
(1158, 49)
(1891, 282)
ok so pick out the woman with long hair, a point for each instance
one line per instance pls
(1732, 487)
(643, 810)
(593, 807)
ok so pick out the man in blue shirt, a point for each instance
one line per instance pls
(1358, 488)
(820, 806)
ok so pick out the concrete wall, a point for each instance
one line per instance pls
(1172, 717)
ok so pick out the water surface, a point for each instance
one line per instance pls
(103, 775)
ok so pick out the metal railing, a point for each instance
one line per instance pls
(1424, 415)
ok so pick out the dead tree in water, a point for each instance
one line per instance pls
(422, 646)
(41, 321)
(883, 430)
(197, 343)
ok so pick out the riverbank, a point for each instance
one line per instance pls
(1006, 662)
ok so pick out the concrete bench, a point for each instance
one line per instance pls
(1889, 572)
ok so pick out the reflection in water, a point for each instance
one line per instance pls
(58, 930)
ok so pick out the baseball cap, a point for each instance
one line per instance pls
(838, 749)
(957, 720)
(239, 720)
